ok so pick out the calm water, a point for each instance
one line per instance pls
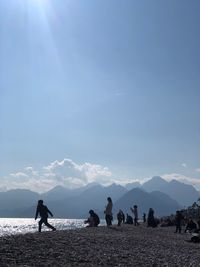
(10, 226)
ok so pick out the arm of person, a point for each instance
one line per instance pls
(50, 212)
(36, 214)
(131, 209)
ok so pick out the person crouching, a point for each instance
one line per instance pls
(93, 220)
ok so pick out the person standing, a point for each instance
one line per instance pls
(178, 220)
(144, 217)
(43, 211)
(151, 222)
(108, 212)
(135, 213)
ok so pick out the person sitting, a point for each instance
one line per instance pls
(191, 226)
(129, 219)
(151, 221)
(120, 216)
(93, 220)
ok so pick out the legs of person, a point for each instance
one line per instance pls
(136, 221)
(119, 222)
(108, 220)
(91, 222)
(48, 224)
(40, 224)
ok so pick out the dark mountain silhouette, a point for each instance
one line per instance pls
(160, 202)
(154, 184)
(56, 193)
(94, 197)
(63, 202)
(15, 201)
(130, 186)
(17, 198)
(67, 203)
(184, 194)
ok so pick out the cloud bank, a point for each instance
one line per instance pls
(70, 174)
(65, 173)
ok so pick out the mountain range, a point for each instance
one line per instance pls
(164, 197)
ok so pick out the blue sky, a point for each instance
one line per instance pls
(113, 84)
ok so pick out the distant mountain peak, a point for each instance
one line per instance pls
(155, 183)
(157, 179)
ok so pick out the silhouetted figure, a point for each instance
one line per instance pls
(93, 220)
(120, 217)
(144, 217)
(198, 222)
(178, 220)
(43, 211)
(108, 212)
(123, 217)
(191, 226)
(129, 219)
(135, 213)
(151, 222)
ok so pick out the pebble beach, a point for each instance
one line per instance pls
(102, 246)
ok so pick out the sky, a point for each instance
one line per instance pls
(98, 90)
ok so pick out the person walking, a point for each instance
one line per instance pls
(43, 211)
(108, 212)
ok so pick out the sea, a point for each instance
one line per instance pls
(13, 226)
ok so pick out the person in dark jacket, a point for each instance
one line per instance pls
(191, 226)
(43, 211)
(120, 217)
(144, 217)
(93, 220)
(129, 219)
(151, 222)
(178, 219)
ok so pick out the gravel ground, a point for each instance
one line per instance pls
(116, 246)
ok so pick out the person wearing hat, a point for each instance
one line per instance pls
(93, 220)
(43, 211)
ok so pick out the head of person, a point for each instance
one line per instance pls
(135, 206)
(109, 199)
(91, 212)
(40, 202)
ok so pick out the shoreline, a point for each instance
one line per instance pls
(102, 246)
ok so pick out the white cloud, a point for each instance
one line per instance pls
(197, 170)
(65, 172)
(19, 174)
(184, 165)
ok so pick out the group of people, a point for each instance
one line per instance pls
(93, 220)
(191, 226)
(151, 220)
